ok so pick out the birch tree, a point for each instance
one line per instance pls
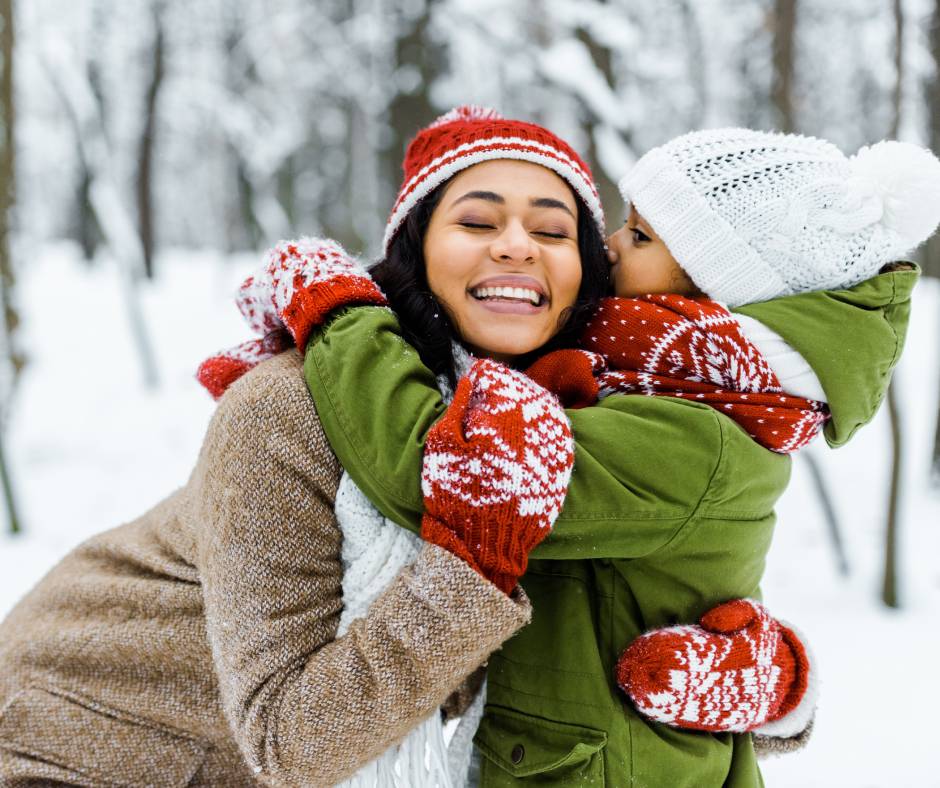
(110, 210)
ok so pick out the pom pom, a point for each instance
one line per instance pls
(907, 178)
(466, 112)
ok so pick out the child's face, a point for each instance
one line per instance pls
(641, 263)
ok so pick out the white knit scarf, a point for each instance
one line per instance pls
(374, 551)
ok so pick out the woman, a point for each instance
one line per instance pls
(670, 508)
(198, 644)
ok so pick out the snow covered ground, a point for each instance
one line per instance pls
(91, 448)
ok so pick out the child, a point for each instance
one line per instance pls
(739, 217)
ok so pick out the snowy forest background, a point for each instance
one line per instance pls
(150, 149)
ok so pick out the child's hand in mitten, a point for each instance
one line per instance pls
(496, 471)
(740, 670)
(569, 374)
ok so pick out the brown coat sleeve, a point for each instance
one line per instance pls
(308, 708)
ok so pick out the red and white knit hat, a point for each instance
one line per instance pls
(468, 135)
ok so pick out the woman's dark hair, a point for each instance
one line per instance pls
(402, 275)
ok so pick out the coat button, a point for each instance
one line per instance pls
(517, 754)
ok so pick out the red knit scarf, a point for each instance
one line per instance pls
(694, 349)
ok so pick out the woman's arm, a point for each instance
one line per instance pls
(638, 476)
(307, 707)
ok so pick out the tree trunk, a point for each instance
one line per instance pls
(410, 109)
(87, 230)
(248, 229)
(110, 211)
(896, 93)
(9, 499)
(10, 360)
(829, 511)
(784, 47)
(7, 188)
(931, 258)
(606, 187)
(695, 61)
(889, 586)
(933, 87)
(243, 231)
(935, 460)
(145, 221)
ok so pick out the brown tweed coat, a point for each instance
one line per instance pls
(197, 645)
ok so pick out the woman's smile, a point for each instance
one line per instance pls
(510, 295)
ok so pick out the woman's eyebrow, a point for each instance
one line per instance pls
(550, 202)
(535, 202)
(480, 195)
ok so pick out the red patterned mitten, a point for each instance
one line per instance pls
(299, 284)
(496, 471)
(569, 374)
(741, 670)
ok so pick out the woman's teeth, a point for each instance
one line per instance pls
(513, 293)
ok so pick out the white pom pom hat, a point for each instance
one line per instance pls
(753, 215)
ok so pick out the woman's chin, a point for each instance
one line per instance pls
(505, 346)
(506, 331)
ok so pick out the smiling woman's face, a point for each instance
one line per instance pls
(502, 256)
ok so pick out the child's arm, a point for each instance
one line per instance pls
(639, 473)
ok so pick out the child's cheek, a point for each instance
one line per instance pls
(620, 281)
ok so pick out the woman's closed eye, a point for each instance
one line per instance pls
(476, 224)
(553, 232)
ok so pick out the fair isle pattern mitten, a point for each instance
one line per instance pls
(299, 284)
(694, 349)
(496, 471)
(570, 375)
(740, 670)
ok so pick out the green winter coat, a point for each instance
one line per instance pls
(669, 512)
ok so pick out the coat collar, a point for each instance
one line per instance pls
(851, 338)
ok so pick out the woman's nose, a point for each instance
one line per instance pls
(514, 244)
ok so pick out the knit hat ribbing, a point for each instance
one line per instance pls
(753, 215)
(468, 135)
